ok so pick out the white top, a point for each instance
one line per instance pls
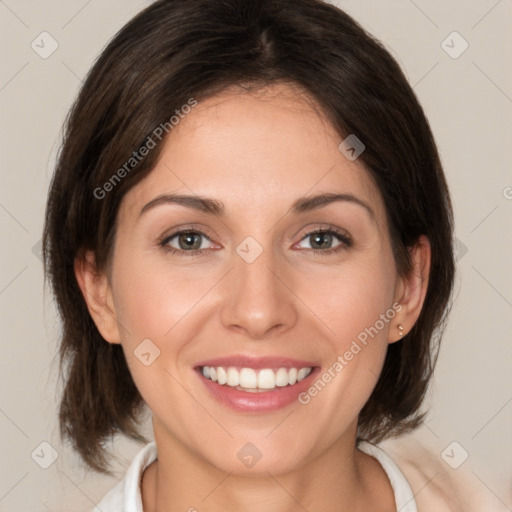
(126, 495)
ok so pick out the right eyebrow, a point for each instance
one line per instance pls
(204, 204)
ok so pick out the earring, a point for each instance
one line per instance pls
(400, 329)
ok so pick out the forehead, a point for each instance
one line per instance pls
(255, 151)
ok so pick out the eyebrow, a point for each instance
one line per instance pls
(215, 207)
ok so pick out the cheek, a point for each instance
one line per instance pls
(158, 307)
(152, 300)
(351, 298)
(355, 306)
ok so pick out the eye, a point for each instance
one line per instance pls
(321, 240)
(188, 240)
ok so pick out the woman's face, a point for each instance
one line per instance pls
(266, 298)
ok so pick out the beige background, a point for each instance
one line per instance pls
(469, 103)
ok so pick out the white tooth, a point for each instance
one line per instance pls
(233, 377)
(282, 377)
(303, 373)
(221, 375)
(248, 378)
(266, 379)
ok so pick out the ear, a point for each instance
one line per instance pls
(97, 293)
(411, 290)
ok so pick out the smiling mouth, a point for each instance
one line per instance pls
(255, 381)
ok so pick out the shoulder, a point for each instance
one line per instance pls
(126, 495)
(435, 486)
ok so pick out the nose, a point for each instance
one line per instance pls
(259, 299)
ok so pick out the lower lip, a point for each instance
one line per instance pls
(261, 402)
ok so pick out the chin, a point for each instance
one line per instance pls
(257, 457)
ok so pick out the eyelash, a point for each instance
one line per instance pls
(343, 237)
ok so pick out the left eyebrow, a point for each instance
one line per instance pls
(306, 204)
(215, 207)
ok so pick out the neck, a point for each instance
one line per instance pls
(341, 479)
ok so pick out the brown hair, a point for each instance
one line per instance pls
(176, 50)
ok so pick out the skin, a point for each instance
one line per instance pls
(257, 153)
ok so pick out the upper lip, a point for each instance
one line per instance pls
(244, 361)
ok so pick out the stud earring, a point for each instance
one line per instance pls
(400, 329)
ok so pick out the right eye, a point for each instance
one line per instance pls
(185, 241)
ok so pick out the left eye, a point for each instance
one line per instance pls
(322, 240)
